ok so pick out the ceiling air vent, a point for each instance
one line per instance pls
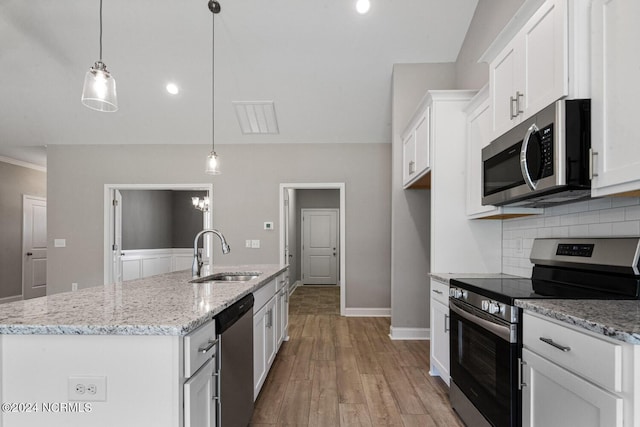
(256, 117)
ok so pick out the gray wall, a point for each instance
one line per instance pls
(488, 20)
(411, 208)
(312, 199)
(187, 221)
(159, 219)
(245, 196)
(146, 219)
(14, 182)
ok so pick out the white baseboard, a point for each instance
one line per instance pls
(367, 312)
(11, 299)
(293, 287)
(409, 333)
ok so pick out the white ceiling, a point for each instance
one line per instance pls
(327, 68)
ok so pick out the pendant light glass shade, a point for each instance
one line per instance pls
(213, 164)
(99, 90)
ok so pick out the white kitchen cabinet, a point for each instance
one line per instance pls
(479, 134)
(615, 94)
(554, 397)
(415, 148)
(199, 402)
(282, 309)
(439, 342)
(270, 326)
(540, 57)
(573, 374)
(264, 343)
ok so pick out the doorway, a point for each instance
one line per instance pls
(141, 262)
(290, 232)
(34, 247)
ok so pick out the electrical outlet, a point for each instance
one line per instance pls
(74, 286)
(88, 389)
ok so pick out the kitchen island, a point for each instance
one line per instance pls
(128, 338)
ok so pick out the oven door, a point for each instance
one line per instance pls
(484, 363)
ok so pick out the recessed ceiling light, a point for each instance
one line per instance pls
(172, 88)
(362, 6)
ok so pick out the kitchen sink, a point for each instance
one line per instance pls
(241, 276)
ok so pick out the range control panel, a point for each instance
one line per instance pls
(581, 250)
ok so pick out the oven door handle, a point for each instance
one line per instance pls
(524, 168)
(497, 329)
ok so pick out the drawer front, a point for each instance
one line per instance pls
(199, 347)
(440, 292)
(282, 279)
(586, 355)
(263, 295)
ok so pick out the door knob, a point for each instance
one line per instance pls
(29, 253)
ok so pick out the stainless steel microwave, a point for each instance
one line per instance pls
(543, 161)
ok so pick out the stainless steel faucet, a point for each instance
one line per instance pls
(197, 256)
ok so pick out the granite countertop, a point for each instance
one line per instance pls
(446, 277)
(618, 319)
(165, 304)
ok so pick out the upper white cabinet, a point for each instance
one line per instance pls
(615, 93)
(540, 57)
(416, 157)
(479, 134)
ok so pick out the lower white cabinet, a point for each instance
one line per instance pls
(572, 377)
(554, 396)
(199, 402)
(270, 326)
(282, 309)
(439, 344)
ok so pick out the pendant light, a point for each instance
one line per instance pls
(213, 162)
(99, 90)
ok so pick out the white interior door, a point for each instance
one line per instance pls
(34, 245)
(116, 243)
(319, 246)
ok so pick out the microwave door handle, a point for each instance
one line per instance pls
(523, 157)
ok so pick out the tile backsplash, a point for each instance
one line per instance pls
(606, 217)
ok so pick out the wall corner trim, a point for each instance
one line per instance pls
(409, 333)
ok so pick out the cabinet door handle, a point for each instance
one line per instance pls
(437, 292)
(512, 102)
(412, 167)
(554, 344)
(521, 383)
(591, 154)
(447, 323)
(518, 96)
(208, 347)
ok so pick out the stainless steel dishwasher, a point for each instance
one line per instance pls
(234, 326)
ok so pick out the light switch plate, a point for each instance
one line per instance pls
(59, 243)
(247, 243)
(255, 244)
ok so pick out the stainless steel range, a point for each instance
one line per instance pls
(486, 330)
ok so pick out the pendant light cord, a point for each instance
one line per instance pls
(214, 7)
(100, 30)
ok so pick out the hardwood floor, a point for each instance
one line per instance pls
(345, 371)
